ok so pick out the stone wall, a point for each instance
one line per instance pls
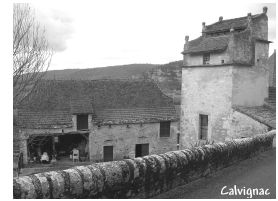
(250, 85)
(244, 126)
(139, 177)
(206, 91)
(259, 27)
(271, 63)
(237, 125)
(215, 59)
(123, 139)
(241, 48)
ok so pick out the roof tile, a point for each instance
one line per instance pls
(262, 114)
(53, 119)
(136, 115)
(208, 44)
(95, 97)
(224, 25)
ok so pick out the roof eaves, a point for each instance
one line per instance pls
(225, 30)
(219, 65)
(206, 51)
(263, 40)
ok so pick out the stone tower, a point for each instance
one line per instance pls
(223, 69)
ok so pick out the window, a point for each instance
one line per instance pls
(203, 127)
(178, 141)
(206, 58)
(82, 122)
(107, 153)
(165, 129)
(141, 150)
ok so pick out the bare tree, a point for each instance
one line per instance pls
(31, 53)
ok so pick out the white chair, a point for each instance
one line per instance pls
(75, 155)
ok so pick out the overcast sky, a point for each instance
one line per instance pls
(113, 32)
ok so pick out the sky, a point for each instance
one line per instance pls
(114, 32)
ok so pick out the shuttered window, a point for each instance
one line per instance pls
(203, 127)
(165, 129)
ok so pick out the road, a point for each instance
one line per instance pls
(257, 172)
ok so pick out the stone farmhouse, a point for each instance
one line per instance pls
(104, 119)
(225, 81)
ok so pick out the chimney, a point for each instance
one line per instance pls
(186, 39)
(203, 28)
(185, 47)
(265, 10)
(220, 19)
(249, 18)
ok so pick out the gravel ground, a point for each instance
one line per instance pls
(257, 172)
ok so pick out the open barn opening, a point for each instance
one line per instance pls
(58, 148)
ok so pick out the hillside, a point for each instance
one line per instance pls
(167, 76)
(110, 72)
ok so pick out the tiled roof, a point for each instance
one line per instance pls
(81, 105)
(136, 115)
(95, 97)
(262, 114)
(208, 44)
(226, 25)
(53, 119)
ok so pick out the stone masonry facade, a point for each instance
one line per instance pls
(124, 139)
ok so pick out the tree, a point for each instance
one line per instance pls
(31, 53)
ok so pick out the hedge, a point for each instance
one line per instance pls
(139, 177)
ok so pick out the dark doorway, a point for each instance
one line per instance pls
(141, 150)
(38, 145)
(107, 153)
(67, 142)
(82, 122)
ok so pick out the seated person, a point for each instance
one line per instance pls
(44, 158)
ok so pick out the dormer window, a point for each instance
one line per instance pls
(82, 122)
(206, 58)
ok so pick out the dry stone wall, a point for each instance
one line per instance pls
(139, 177)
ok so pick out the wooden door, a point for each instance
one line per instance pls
(141, 150)
(107, 153)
